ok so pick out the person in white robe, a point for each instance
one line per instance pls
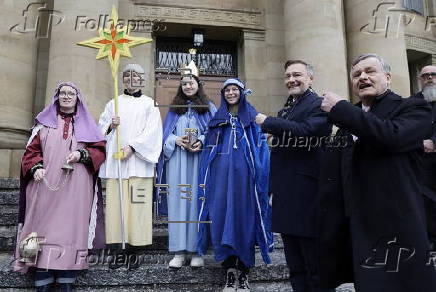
(140, 129)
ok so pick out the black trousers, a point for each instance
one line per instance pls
(302, 260)
(430, 212)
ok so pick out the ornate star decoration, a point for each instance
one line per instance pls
(114, 42)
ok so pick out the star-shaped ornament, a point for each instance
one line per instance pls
(114, 42)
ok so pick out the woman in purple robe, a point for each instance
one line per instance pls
(60, 206)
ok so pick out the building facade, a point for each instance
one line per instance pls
(249, 39)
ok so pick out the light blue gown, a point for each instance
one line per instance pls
(182, 168)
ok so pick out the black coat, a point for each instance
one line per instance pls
(295, 158)
(370, 211)
(429, 159)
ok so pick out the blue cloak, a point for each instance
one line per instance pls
(235, 193)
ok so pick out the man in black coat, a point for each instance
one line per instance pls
(371, 214)
(427, 79)
(298, 132)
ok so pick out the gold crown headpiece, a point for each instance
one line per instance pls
(191, 69)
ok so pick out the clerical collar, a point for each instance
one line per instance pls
(375, 100)
(383, 94)
(134, 94)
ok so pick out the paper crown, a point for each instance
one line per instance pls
(191, 69)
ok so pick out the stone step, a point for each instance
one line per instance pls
(157, 277)
(9, 215)
(9, 183)
(254, 287)
(9, 197)
(160, 238)
(153, 274)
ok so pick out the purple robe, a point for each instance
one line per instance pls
(60, 217)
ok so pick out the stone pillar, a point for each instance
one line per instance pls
(314, 32)
(70, 62)
(276, 55)
(367, 32)
(18, 55)
(254, 73)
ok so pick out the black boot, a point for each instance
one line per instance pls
(118, 260)
(66, 287)
(44, 288)
(243, 282)
(133, 261)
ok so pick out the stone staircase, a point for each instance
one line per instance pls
(152, 275)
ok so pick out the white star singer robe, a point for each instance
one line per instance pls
(141, 128)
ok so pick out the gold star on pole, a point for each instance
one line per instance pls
(114, 42)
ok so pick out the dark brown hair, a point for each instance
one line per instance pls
(200, 98)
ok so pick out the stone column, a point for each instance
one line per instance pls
(276, 55)
(254, 73)
(368, 32)
(18, 55)
(314, 32)
(70, 62)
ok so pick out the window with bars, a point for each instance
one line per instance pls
(215, 58)
(414, 5)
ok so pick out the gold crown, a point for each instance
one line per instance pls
(191, 69)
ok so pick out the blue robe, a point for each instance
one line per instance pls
(179, 166)
(235, 196)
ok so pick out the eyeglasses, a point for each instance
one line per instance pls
(69, 93)
(426, 75)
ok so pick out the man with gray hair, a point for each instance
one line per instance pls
(427, 79)
(371, 217)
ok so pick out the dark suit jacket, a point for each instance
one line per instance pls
(295, 156)
(429, 159)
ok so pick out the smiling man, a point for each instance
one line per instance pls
(294, 172)
(372, 221)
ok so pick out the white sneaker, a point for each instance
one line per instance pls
(177, 262)
(197, 261)
(231, 281)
